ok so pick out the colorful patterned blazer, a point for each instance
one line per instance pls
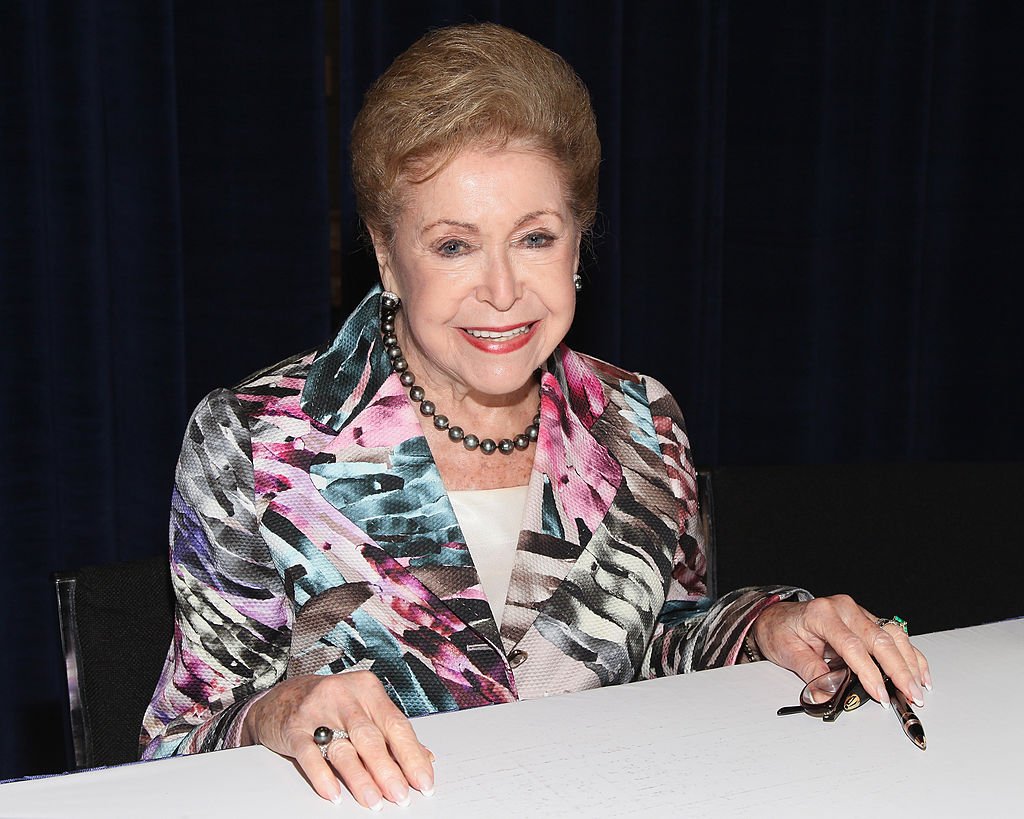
(311, 533)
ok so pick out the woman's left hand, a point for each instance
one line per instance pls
(794, 635)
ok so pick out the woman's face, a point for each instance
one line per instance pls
(483, 260)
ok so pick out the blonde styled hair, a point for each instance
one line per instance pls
(471, 86)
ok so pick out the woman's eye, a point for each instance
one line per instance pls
(537, 240)
(451, 247)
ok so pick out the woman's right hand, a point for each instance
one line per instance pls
(381, 757)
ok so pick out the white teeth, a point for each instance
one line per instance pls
(503, 335)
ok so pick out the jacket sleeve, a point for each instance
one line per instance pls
(694, 632)
(233, 618)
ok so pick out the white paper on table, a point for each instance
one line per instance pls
(706, 744)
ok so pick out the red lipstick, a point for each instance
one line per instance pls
(505, 344)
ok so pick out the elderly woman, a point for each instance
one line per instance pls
(446, 507)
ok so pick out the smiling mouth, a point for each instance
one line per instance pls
(501, 340)
(499, 335)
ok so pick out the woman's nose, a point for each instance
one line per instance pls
(501, 286)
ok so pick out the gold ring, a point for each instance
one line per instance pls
(882, 622)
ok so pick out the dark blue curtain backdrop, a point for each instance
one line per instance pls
(163, 230)
(809, 232)
(808, 212)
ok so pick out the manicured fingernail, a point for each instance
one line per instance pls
(398, 793)
(336, 799)
(916, 694)
(373, 799)
(422, 782)
(883, 697)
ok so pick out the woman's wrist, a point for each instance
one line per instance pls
(761, 630)
(243, 732)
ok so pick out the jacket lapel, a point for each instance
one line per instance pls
(378, 472)
(593, 617)
(573, 484)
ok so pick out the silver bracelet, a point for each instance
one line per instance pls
(750, 648)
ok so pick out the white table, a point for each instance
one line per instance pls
(706, 744)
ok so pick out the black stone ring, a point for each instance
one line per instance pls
(324, 736)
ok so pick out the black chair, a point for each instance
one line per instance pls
(116, 624)
(940, 543)
(706, 511)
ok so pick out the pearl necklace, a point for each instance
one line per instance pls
(389, 304)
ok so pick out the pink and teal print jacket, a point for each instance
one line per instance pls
(311, 534)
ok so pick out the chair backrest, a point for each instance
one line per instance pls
(706, 512)
(116, 624)
(938, 543)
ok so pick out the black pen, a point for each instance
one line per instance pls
(908, 719)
